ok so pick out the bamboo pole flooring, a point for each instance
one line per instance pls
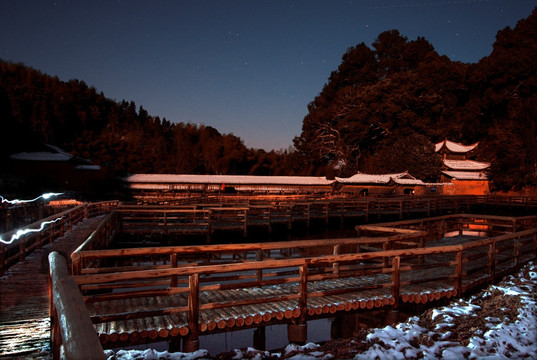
(235, 317)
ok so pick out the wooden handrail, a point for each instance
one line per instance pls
(71, 324)
(295, 262)
(465, 260)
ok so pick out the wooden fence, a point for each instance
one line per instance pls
(52, 227)
(143, 295)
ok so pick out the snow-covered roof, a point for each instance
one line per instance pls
(229, 179)
(361, 178)
(455, 147)
(41, 156)
(409, 182)
(466, 175)
(57, 154)
(466, 164)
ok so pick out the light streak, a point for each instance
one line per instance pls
(45, 196)
(23, 232)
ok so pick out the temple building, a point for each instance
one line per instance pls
(467, 176)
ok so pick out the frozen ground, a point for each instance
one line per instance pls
(498, 323)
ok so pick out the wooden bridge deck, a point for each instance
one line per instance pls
(24, 299)
(161, 316)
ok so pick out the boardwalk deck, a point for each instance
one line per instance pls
(163, 313)
(24, 300)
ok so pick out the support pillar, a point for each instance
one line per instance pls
(190, 345)
(260, 338)
(297, 333)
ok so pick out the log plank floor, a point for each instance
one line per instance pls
(24, 300)
(161, 328)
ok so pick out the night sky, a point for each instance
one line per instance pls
(244, 67)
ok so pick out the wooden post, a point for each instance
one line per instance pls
(335, 266)
(516, 251)
(192, 343)
(245, 219)
(165, 223)
(173, 264)
(458, 273)
(22, 250)
(492, 260)
(396, 261)
(421, 245)
(303, 291)
(259, 257)
(298, 332)
(76, 263)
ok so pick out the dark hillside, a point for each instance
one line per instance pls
(379, 98)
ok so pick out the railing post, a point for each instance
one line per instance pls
(303, 289)
(245, 219)
(259, 257)
(335, 265)
(492, 260)
(458, 273)
(165, 222)
(192, 343)
(516, 250)
(298, 332)
(173, 264)
(22, 249)
(396, 261)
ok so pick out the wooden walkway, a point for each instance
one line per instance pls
(24, 299)
(172, 293)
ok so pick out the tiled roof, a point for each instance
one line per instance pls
(466, 164)
(409, 182)
(228, 179)
(455, 147)
(361, 178)
(466, 175)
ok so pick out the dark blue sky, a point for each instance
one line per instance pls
(244, 67)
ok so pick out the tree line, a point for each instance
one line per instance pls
(380, 111)
(385, 106)
(37, 109)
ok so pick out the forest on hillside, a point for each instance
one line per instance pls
(37, 109)
(384, 108)
(380, 111)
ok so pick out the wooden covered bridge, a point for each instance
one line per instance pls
(119, 297)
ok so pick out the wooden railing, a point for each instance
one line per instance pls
(70, 321)
(51, 227)
(205, 218)
(206, 275)
(447, 271)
